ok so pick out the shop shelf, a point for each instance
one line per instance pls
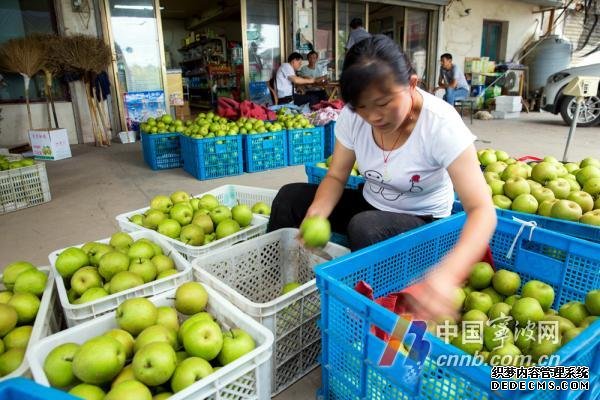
(248, 377)
(251, 276)
(211, 158)
(265, 151)
(352, 352)
(162, 150)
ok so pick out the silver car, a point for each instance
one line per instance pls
(555, 102)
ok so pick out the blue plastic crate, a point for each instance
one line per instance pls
(351, 353)
(329, 138)
(576, 229)
(162, 150)
(305, 145)
(265, 151)
(26, 389)
(316, 174)
(212, 158)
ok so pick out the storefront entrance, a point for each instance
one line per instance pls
(412, 29)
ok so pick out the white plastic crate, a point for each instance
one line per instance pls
(77, 313)
(47, 321)
(251, 276)
(508, 104)
(506, 115)
(247, 378)
(229, 195)
(24, 187)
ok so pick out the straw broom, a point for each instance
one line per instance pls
(26, 57)
(51, 68)
(88, 56)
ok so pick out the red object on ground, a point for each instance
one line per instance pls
(231, 109)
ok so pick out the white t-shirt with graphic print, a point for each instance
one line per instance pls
(417, 181)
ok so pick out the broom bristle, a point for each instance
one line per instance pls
(22, 55)
(84, 53)
(49, 42)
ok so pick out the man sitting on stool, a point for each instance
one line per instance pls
(287, 78)
(452, 80)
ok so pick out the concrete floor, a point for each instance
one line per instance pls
(94, 186)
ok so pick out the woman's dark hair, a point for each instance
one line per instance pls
(312, 52)
(295, 56)
(374, 60)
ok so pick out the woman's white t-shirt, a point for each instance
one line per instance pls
(415, 180)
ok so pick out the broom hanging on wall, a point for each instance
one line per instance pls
(87, 56)
(26, 57)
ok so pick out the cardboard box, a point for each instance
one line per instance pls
(50, 144)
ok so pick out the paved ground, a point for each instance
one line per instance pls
(94, 186)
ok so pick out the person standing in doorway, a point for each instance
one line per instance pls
(452, 80)
(357, 33)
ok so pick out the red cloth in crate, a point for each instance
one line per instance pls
(231, 109)
(403, 303)
(337, 104)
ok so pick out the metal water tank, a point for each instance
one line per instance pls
(548, 55)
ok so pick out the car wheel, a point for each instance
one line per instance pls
(589, 114)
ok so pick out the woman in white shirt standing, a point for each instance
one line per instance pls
(414, 151)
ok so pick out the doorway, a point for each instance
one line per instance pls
(410, 29)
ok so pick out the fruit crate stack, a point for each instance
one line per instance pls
(87, 281)
(352, 351)
(23, 185)
(235, 342)
(315, 172)
(211, 158)
(329, 132)
(255, 276)
(29, 288)
(306, 145)
(162, 150)
(264, 151)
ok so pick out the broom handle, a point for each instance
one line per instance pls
(99, 115)
(97, 134)
(51, 97)
(104, 115)
(53, 109)
(26, 83)
(48, 106)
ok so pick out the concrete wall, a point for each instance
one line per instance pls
(15, 126)
(460, 34)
